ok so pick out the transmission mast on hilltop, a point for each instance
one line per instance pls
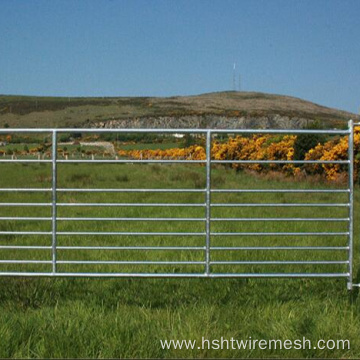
(234, 78)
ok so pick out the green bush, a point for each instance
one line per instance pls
(305, 142)
(189, 140)
(65, 138)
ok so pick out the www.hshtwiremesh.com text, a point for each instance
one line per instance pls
(253, 344)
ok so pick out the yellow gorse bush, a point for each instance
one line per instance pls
(264, 147)
(334, 150)
(190, 153)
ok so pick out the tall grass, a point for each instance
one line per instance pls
(56, 317)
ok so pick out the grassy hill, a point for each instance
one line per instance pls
(30, 111)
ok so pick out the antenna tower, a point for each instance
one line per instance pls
(234, 78)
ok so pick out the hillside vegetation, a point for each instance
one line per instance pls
(29, 111)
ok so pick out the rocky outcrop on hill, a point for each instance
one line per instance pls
(205, 121)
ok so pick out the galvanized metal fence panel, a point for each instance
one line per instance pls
(208, 205)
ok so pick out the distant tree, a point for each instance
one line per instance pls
(76, 135)
(65, 138)
(188, 140)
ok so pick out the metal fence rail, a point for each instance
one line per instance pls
(207, 219)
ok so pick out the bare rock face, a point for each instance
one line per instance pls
(206, 122)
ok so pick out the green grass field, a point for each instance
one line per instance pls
(18, 148)
(82, 317)
(76, 149)
(150, 146)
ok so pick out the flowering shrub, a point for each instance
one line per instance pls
(334, 150)
(190, 153)
(258, 147)
(265, 147)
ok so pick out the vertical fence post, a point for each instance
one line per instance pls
(208, 200)
(351, 202)
(54, 212)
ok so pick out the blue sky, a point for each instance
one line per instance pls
(304, 48)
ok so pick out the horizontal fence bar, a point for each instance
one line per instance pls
(266, 248)
(25, 204)
(179, 248)
(105, 190)
(279, 233)
(145, 262)
(184, 161)
(8, 218)
(281, 262)
(177, 275)
(131, 204)
(24, 190)
(175, 131)
(280, 161)
(179, 161)
(25, 232)
(131, 161)
(105, 233)
(24, 161)
(24, 247)
(279, 275)
(174, 219)
(279, 131)
(283, 219)
(126, 219)
(155, 248)
(25, 262)
(175, 233)
(134, 190)
(279, 205)
(103, 130)
(295, 191)
(26, 130)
